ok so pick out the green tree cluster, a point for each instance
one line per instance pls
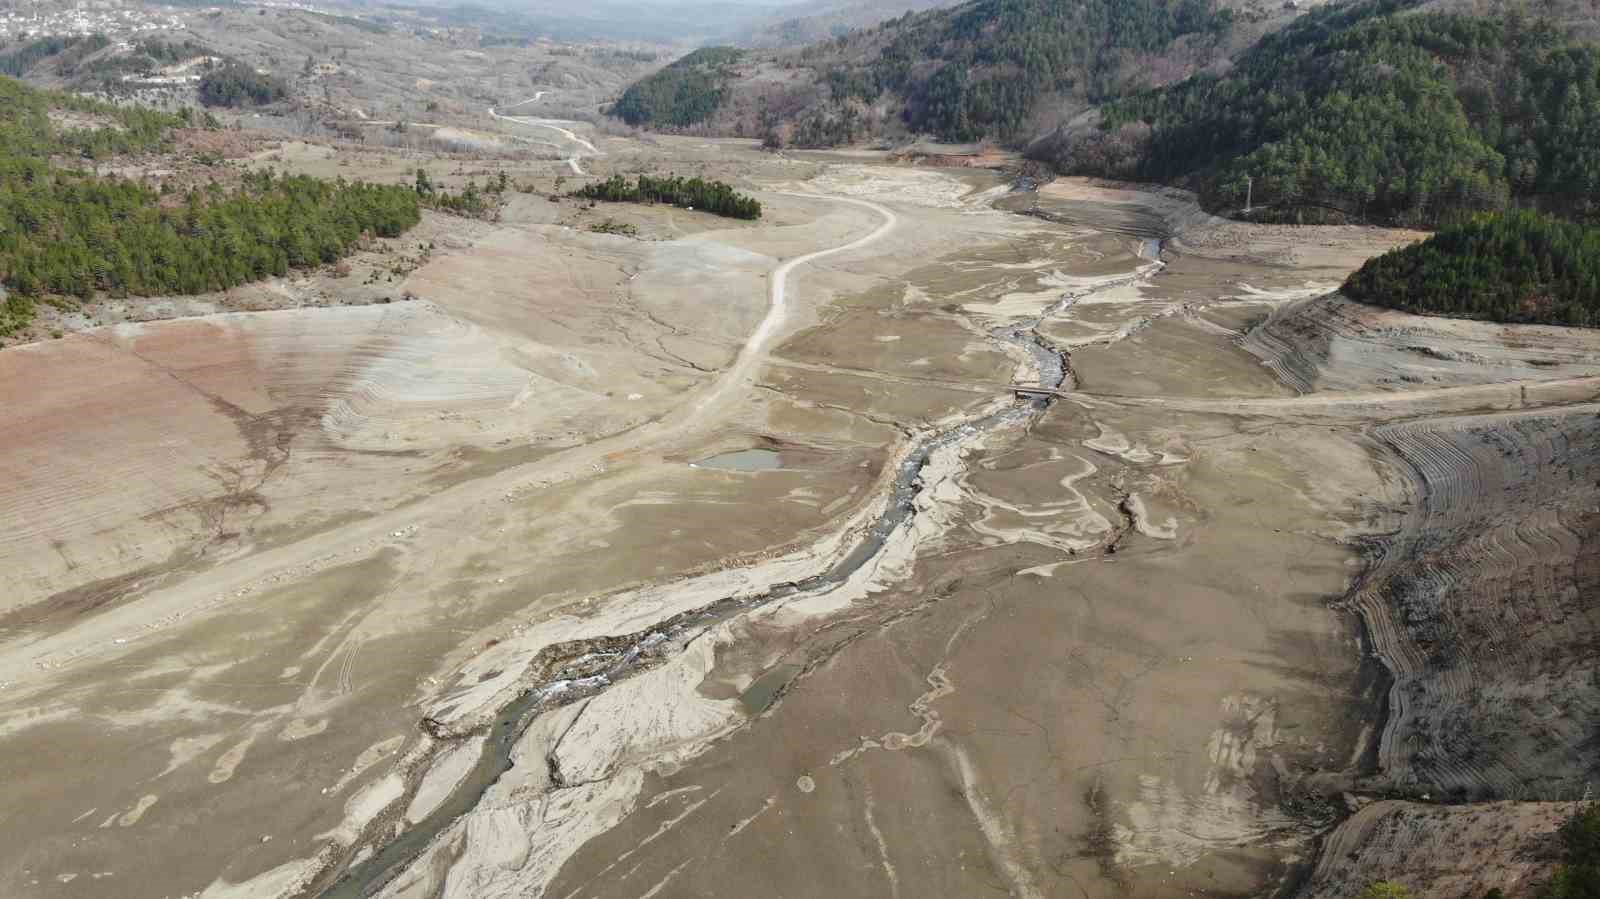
(687, 92)
(1371, 112)
(20, 59)
(166, 53)
(235, 84)
(1578, 877)
(64, 231)
(26, 130)
(473, 201)
(686, 193)
(1515, 267)
(68, 234)
(829, 126)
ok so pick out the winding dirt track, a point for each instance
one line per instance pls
(553, 125)
(26, 667)
(755, 349)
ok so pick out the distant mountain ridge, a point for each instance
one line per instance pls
(985, 69)
(1403, 112)
(820, 20)
(768, 25)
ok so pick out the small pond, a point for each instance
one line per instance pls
(744, 460)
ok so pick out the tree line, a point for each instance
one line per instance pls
(20, 58)
(691, 193)
(67, 232)
(1521, 267)
(982, 69)
(1371, 112)
(76, 235)
(106, 73)
(70, 57)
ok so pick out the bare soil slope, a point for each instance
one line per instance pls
(1463, 850)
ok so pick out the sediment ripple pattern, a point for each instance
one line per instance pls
(1486, 606)
(1330, 343)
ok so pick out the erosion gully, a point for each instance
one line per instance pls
(595, 664)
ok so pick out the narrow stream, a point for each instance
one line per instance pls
(593, 671)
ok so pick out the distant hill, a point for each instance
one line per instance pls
(821, 20)
(988, 68)
(687, 92)
(1371, 112)
(665, 21)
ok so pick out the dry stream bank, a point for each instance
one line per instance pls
(1131, 641)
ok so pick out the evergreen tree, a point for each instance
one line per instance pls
(1518, 267)
(66, 232)
(692, 193)
(1368, 112)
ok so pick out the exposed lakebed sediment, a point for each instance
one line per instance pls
(856, 600)
(562, 674)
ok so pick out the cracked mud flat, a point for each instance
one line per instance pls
(1106, 655)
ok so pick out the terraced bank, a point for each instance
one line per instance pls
(1485, 607)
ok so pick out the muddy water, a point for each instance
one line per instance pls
(764, 689)
(744, 460)
(582, 679)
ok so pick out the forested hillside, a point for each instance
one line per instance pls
(979, 70)
(28, 137)
(982, 69)
(1371, 113)
(66, 232)
(19, 58)
(685, 93)
(1516, 267)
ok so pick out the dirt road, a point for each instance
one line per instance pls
(556, 126)
(25, 668)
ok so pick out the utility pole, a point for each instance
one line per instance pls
(1249, 192)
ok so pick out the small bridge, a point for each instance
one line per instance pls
(1034, 391)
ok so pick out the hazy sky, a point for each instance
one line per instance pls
(702, 3)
